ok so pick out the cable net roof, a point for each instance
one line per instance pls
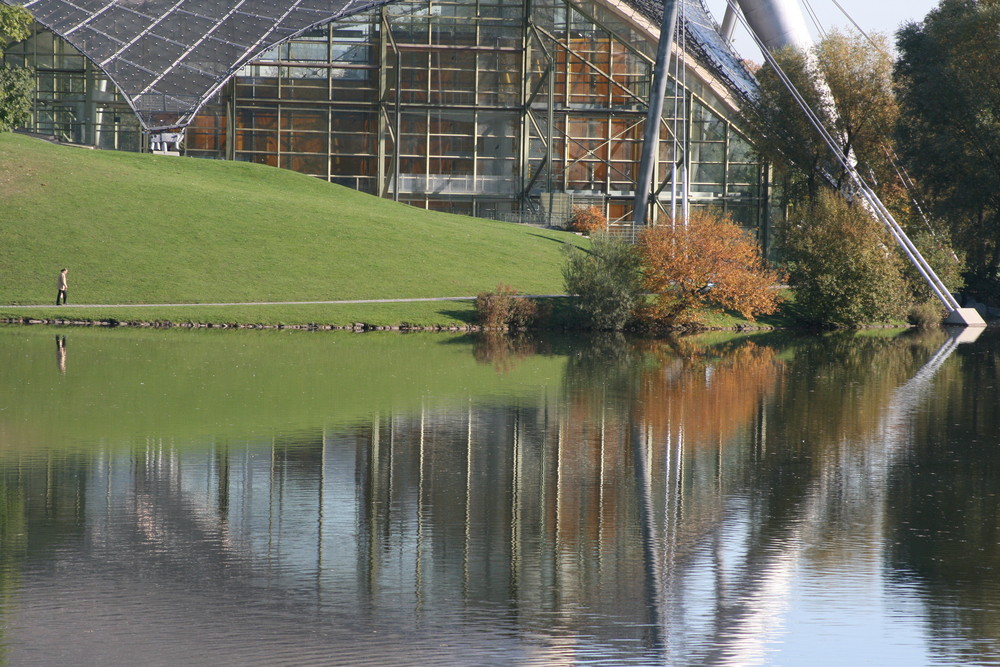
(705, 40)
(169, 56)
(720, 55)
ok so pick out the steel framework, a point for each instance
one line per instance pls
(510, 109)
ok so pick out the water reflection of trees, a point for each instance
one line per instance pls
(504, 350)
(944, 510)
(40, 510)
(671, 480)
(710, 394)
(840, 384)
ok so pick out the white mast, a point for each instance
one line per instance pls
(776, 24)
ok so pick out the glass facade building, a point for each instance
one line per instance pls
(515, 110)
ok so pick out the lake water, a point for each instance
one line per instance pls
(316, 498)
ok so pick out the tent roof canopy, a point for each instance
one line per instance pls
(168, 57)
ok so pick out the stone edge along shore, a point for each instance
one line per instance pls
(357, 327)
(141, 324)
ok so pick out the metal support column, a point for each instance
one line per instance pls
(658, 88)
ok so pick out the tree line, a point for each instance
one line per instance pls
(16, 83)
(923, 126)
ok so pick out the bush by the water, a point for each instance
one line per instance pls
(927, 314)
(948, 264)
(704, 263)
(505, 308)
(843, 265)
(605, 281)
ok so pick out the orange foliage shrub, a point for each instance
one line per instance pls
(708, 263)
(587, 220)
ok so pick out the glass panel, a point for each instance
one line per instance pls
(314, 165)
(707, 173)
(704, 152)
(302, 142)
(305, 89)
(743, 173)
(258, 141)
(306, 51)
(297, 119)
(740, 149)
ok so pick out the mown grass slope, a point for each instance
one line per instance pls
(152, 229)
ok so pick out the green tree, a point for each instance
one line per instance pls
(843, 266)
(858, 71)
(948, 86)
(605, 281)
(947, 263)
(847, 80)
(780, 131)
(16, 83)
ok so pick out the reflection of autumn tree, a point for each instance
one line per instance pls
(503, 350)
(660, 389)
(707, 394)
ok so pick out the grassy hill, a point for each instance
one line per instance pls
(138, 229)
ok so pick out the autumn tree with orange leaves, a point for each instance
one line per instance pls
(707, 264)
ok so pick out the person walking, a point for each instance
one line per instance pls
(62, 285)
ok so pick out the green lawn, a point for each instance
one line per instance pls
(136, 229)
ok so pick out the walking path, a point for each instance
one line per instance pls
(268, 303)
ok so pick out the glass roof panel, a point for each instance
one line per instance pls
(168, 57)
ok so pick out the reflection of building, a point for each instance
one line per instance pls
(506, 109)
(681, 509)
(533, 517)
(665, 512)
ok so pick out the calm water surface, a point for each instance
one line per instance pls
(203, 497)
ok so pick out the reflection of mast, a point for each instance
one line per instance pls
(467, 544)
(913, 391)
(896, 426)
(655, 589)
(419, 556)
(763, 570)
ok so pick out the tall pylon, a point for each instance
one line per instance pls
(776, 24)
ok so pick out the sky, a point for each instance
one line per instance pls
(872, 15)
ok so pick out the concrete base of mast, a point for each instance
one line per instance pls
(965, 317)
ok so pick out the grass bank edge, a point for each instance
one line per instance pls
(443, 314)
